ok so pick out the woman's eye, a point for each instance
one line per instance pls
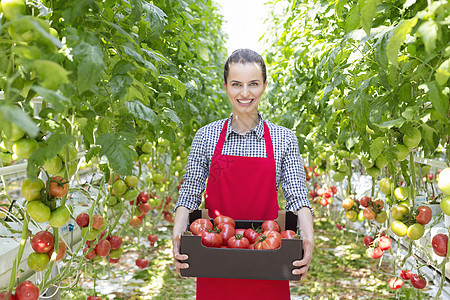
(253, 84)
(235, 84)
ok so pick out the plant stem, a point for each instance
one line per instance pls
(16, 263)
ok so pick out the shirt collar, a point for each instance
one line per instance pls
(258, 130)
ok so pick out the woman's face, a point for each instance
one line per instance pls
(245, 87)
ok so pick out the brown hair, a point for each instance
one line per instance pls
(243, 56)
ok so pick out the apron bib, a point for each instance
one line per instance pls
(243, 188)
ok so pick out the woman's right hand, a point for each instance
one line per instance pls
(179, 226)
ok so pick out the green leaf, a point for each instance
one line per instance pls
(46, 34)
(17, 116)
(443, 72)
(51, 75)
(156, 19)
(36, 160)
(428, 31)
(397, 39)
(176, 83)
(338, 7)
(172, 116)
(140, 111)
(392, 123)
(353, 19)
(428, 135)
(368, 8)
(90, 65)
(58, 101)
(115, 146)
(377, 147)
(122, 67)
(334, 84)
(439, 101)
(119, 85)
(203, 52)
(94, 151)
(55, 143)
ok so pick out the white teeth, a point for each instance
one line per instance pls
(244, 101)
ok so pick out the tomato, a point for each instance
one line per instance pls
(223, 219)
(115, 241)
(399, 228)
(415, 231)
(82, 220)
(93, 298)
(103, 248)
(445, 205)
(288, 234)
(381, 217)
(23, 148)
(238, 241)
(269, 240)
(444, 181)
(90, 253)
(69, 150)
(119, 187)
(42, 242)
(26, 290)
(143, 197)
(324, 201)
(369, 214)
(401, 193)
(38, 211)
(368, 241)
(9, 296)
(418, 281)
(375, 253)
(385, 186)
(131, 181)
(135, 221)
(157, 177)
(399, 211)
(59, 217)
(440, 244)
(374, 171)
(270, 225)
(211, 239)
(226, 231)
(116, 253)
(97, 221)
(145, 207)
(412, 138)
(364, 201)
(32, 190)
(406, 274)
(395, 283)
(53, 165)
(58, 186)
(347, 204)
(240, 231)
(200, 225)
(38, 261)
(152, 238)
(385, 243)
(425, 214)
(13, 8)
(130, 194)
(142, 263)
(62, 248)
(333, 189)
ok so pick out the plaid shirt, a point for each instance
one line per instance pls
(289, 164)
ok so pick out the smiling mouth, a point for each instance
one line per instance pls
(244, 101)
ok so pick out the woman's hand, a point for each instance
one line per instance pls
(307, 233)
(180, 223)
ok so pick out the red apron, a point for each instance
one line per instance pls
(243, 188)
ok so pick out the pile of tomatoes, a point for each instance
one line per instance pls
(323, 195)
(223, 234)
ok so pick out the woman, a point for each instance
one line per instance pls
(245, 160)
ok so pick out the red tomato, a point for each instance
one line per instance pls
(94, 298)
(252, 235)
(238, 241)
(103, 248)
(240, 231)
(440, 243)
(10, 296)
(224, 219)
(211, 239)
(269, 240)
(26, 290)
(82, 220)
(378, 205)
(142, 263)
(364, 201)
(270, 225)
(115, 241)
(376, 253)
(368, 240)
(200, 225)
(418, 281)
(385, 243)
(333, 189)
(287, 234)
(42, 242)
(395, 283)
(58, 186)
(425, 214)
(226, 231)
(406, 274)
(369, 214)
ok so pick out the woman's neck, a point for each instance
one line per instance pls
(243, 123)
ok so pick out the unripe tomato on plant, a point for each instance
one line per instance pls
(135, 221)
(444, 181)
(32, 190)
(369, 214)
(399, 228)
(59, 217)
(38, 211)
(351, 215)
(445, 205)
(381, 217)
(38, 261)
(347, 204)
(385, 186)
(415, 231)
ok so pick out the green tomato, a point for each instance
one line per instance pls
(415, 231)
(23, 148)
(53, 165)
(38, 261)
(154, 202)
(147, 147)
(399, 228)
(158, 178)
(32, 190)
(366, 162)
(116, 253)
(69, 150)
(112, 200)
(351, 215)
(401, 152)
(374, 171)
(119, 187)
(399, 211)
(381, 217)
(130, 194)
(412, 138)
(361, 216)
(13, 8)
(183, 154)
(381, 161)
(38, 211)
(401, 193)
(59, 217)
(135, 29)
(385, 186)
(14, 133)
(444, 181)
(144, 158)
(445, 205)
(178, 166)
(131, 181)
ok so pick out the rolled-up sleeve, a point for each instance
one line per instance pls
(194, 180)
(293, 179)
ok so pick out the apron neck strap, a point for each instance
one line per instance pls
(223, 134)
